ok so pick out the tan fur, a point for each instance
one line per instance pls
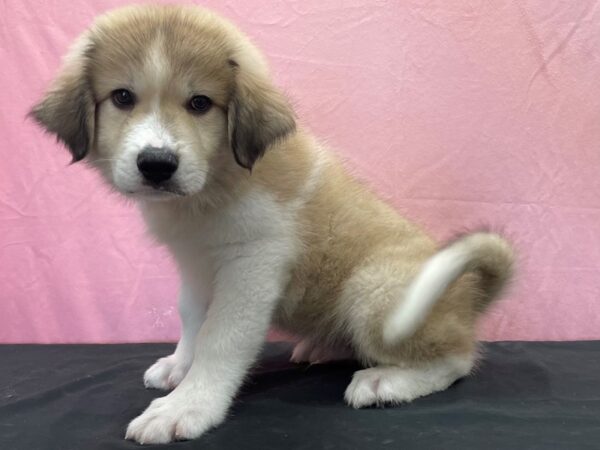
(357, 255)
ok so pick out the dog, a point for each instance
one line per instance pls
(174, 106)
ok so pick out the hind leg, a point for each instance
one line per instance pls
(440, 351)
(395, 384)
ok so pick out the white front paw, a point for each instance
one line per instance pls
(166, 373)
(178, 416)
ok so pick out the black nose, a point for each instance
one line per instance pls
(157, 164)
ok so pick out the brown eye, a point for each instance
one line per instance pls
(199, 104)
(123, 99)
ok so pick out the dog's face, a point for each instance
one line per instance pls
(161, 99)
(161, 114)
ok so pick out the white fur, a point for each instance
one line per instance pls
(249, 246)
(390, 384)
(169, 371)
(149, 132)
(156, 68)
(424, 291)
(152, 132)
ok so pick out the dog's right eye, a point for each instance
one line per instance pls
(123, 99)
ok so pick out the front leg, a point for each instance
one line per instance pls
(249, 281)
(167, 372)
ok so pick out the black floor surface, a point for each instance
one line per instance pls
(523, 396)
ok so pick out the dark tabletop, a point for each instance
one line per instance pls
(522, 396)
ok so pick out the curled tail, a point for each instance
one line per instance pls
(487, 254)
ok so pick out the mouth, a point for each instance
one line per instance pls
(157, 191)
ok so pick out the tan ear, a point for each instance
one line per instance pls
(258, 116)
(68, 108)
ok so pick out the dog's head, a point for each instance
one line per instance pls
(159, 98)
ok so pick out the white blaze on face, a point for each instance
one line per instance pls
(150, 130)
(156, 67)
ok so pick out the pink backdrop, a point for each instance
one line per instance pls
(461, 113)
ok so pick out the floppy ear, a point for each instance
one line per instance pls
(68, 108)
(258, 115)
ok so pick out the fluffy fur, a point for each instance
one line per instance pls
(264, 222)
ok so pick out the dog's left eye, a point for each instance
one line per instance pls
(199, 104)
(123, 99)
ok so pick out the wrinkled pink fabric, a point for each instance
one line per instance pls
(461, 113)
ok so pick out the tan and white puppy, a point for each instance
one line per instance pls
(174, 106)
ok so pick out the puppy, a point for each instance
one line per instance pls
(175, 108)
